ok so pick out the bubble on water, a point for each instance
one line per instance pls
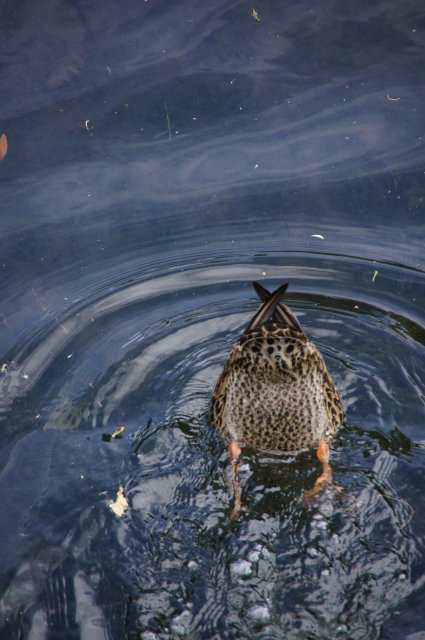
(342, 628)
(241, 569)
(259, 614)
(192, 566)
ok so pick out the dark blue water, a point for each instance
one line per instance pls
(161, 156)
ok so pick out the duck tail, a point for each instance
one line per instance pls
(272, 311)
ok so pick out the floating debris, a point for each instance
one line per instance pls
(167, 117)
(3, 146)
(375, 273)
(317, 235)
(81, 125)
(115, 435)
(255, 15)
(120, 506)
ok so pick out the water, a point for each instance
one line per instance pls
(161, 156)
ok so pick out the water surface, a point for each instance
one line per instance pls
(161, 156)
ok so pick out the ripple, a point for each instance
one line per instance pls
(221, 149)
(143, 352)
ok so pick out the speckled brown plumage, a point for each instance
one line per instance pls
(275, 392)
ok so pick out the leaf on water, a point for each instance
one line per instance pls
(375, 273)
(120, 506)
(117, 433)
(3, 146)
(107, 437)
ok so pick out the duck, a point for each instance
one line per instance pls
(275, 393)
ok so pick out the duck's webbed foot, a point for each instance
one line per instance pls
(325, 478)
(234, 452)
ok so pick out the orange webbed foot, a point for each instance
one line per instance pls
(325, 478)
(234, 451)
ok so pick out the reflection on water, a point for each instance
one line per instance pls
(161, 156)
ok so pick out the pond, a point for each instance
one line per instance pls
(161, 156)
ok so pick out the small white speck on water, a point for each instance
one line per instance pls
(325, 573)
(192, 565)
(259, 614)
(241, 569)
(312, 552)
(402, 576)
